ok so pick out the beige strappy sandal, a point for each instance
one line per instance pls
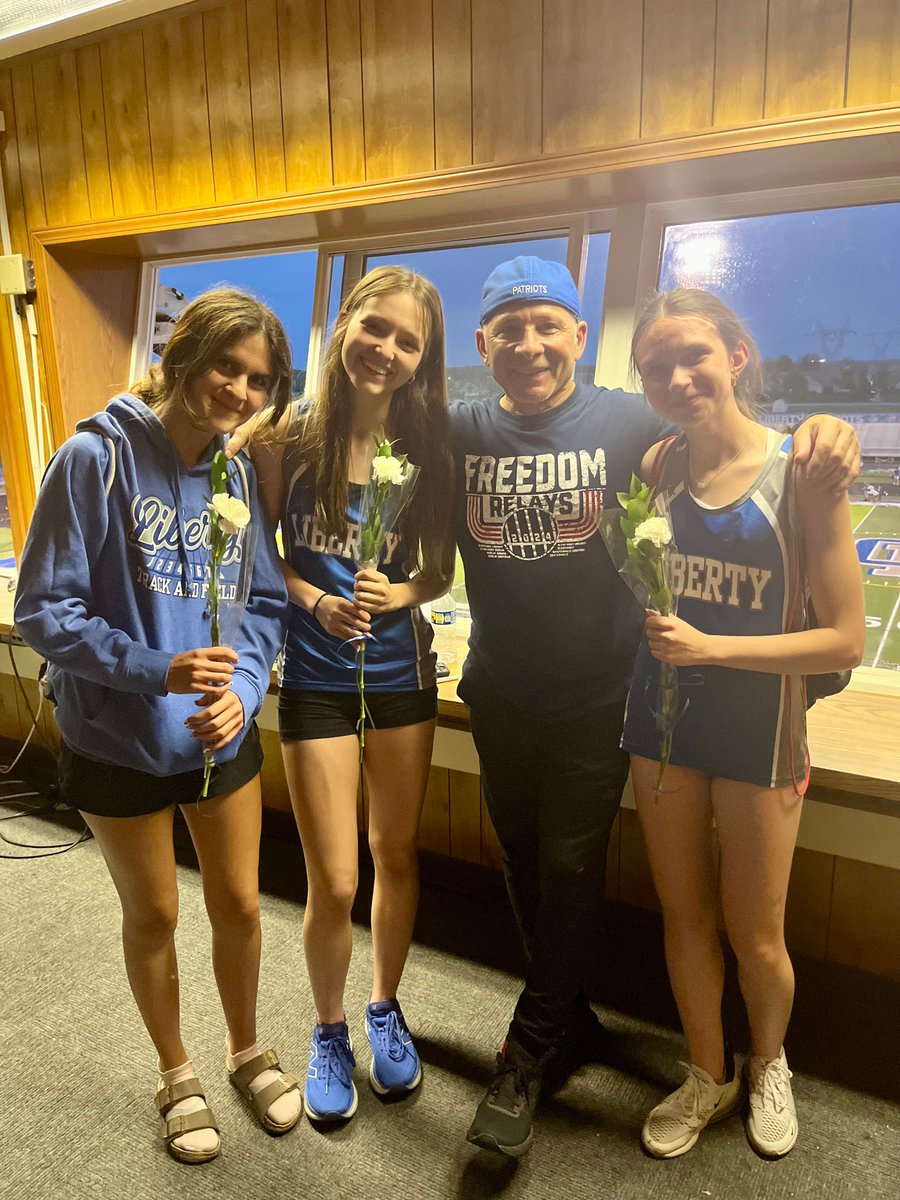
(263, 1100)
(175, 1126)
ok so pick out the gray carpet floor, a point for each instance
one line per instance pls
(77, 1078)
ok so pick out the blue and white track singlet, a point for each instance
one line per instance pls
(734, 573)
(398, 654)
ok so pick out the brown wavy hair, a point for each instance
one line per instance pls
(704, 306)
(417, 422)
(204, 330)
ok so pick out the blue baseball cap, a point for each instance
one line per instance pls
(527, 279)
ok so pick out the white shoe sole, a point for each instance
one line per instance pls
(774, 1149)
(720, 1115)
(378, 1086)
(333, 1116)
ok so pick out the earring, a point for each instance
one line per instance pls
(412, 378)
(734, 377)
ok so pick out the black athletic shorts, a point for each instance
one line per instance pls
(108, 791)
(304, 716)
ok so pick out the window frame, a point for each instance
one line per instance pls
(637, 231)
(767, 202)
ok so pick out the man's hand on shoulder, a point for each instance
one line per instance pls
(828, 450)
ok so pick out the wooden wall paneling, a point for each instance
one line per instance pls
(230, 115)
(127, 124)
(178, 105)
(398, 88)
(9, 163)
(92, 306)
(9, 709)
(806, 56)
(465, 816)
(303, 58)
(679, 66)
(434, 828)
(491, 852)
(873, 70)
(452, 65)
(635, 880)
(20, 489)
(741, 27)
(345, 97)
(27, 141)
(809, 902)
(591, 74)
(271, 777)
(862, 931)
(93, 129)
(20, 486)
(506, 80)
(265, 97)
(59, 138)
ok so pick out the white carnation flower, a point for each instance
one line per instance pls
(387, 470)
(655, 530)
(232, 514)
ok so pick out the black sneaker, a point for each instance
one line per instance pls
(503, 1121)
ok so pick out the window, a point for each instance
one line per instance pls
(458, 273)
(285, 282)
(592, 302)
(820, 292)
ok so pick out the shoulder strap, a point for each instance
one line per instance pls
(659, 459)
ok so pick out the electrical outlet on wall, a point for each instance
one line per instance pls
(16, 275)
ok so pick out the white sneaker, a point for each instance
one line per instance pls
(673, 1127)
(772, 1120)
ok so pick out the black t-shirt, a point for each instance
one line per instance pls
(554, 629)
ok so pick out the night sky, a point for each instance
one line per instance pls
(786, 276)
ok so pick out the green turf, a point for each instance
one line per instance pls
(881, 593)
(882, 520)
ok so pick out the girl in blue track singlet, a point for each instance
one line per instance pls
(753, 536)
(384, 369)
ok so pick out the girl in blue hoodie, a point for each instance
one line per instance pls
(112, 594)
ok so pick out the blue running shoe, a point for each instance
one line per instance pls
(395, 1065)
(330, 1091)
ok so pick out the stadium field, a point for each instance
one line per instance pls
(876, 530)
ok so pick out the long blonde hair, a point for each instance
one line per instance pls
(204, 330)
(418, 421)
(704, 306)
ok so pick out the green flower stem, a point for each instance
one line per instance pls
(361, 687)
(218, 541)
(667, 707)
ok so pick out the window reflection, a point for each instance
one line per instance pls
(820, 291)
(285, 282)
(458, 273)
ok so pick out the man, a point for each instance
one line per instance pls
(554, 634)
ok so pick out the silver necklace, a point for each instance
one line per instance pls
(702, 486)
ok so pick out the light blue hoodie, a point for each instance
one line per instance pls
(112, 586)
